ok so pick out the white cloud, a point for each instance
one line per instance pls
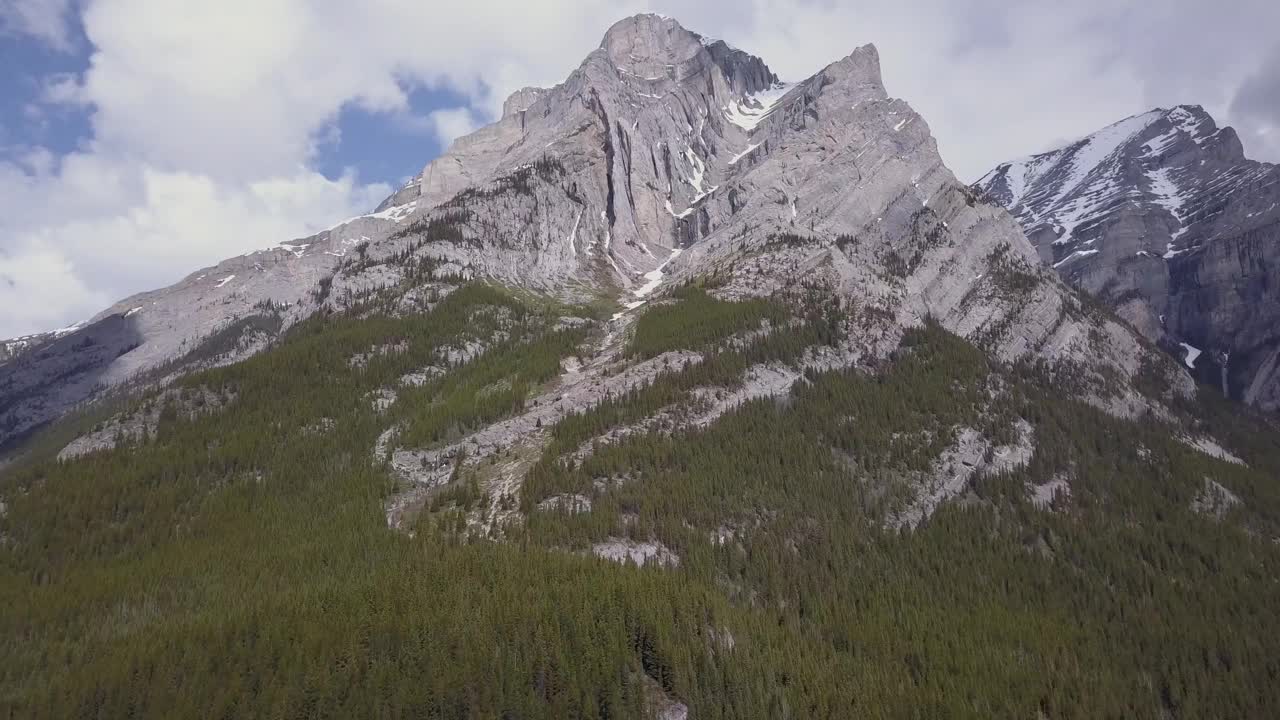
(99, 231)
(207, 116)
(452, 124)
(42, 19)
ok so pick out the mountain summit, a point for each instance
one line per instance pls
(872, 458)
(1162, 216)
(664, 155)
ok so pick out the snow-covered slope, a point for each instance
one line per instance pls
(1162, 216)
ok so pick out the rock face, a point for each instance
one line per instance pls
(1161, 216)
(667, 156)
(44, 376)
(59, 371)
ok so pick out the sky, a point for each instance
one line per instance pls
(143, 139)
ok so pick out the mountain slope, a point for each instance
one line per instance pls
(663, 141)
(1163, 217)
(679, 392)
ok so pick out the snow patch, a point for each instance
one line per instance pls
(1193, 353)
(225, 280)
(1075, 256)
(744, 153)
(572, 239)
(751, 109)
(298, 250)
(396, 213)
(654, 279)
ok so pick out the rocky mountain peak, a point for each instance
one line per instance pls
(649, 40)
(655, 48)
(521, 100)
(666, 156)
(1162, 216)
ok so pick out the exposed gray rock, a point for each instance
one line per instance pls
(571, 504)
(1214, 500)
(382, 399)
(623, 550)
(142, 423)
(60, 371)
(1043, 495)
(1210, 447)
(361, 360)
(1163, 217)
(952, 472)
(666, 156)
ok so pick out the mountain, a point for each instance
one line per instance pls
(661, 141)
(1163, 217)
(679, 391)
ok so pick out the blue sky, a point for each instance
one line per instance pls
(143, 139)
(386, 147)
(27, 65)
(380, 146)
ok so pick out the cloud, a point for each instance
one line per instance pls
(998, 80)
(452, 124)
(98, 231)
(208, 119)
(45, 20)
(1256, 106)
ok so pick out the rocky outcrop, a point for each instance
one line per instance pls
(663, 157)
(1163, 217)
(58, 373)
(191, 319)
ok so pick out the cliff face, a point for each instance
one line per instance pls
(667, 155)
(1163, 217)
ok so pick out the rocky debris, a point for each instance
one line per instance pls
(467, 350)
(708, 404)
(382, 399)
(382, 446)
(623, 550)
(502, 453)
(952, 472)
(659, 703)
(142, 423)
(1043, 495)
(359, 361)
(421, 377)
(760, 381)
(1214, 500)
(1210, 447)
(571, 504)
(570, 322)
(1163, 217)
(351, 285)
(572, 392)
(605, 484)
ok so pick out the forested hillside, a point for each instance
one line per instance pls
(237, 560)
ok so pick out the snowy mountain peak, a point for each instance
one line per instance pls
(1163, 215)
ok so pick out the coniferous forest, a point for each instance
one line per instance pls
(237, 561)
